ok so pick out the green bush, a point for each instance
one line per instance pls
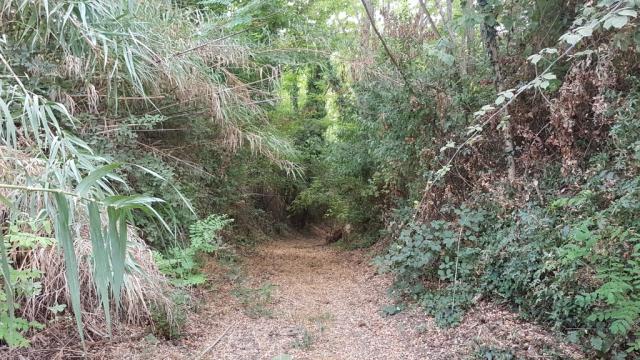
(25, 282)
(438, 253)
(182, 264)
(572, 263)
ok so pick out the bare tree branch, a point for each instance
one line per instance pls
(446, 17)
(433, 25)
(386, 48)
(210, 42)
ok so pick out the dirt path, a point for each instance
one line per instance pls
(300, 299)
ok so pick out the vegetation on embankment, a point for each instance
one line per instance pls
(493, 144)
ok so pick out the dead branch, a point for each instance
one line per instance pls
(216, 342)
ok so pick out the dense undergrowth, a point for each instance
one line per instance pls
(494, 145)
(559, 241)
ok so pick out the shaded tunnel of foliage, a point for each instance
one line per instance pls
(492, 146)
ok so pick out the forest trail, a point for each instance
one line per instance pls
(298, 298)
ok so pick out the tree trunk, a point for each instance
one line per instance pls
(490, 37)
(467, 53)
(432, 23)
(367, 25)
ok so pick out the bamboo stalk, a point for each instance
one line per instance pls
(40, 189)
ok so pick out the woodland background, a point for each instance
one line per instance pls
(490, 148)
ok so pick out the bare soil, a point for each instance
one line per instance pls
(301, 299)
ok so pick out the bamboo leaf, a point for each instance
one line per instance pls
(139, 202)
(8, 286)
(4, 200)
(85, 185)
(63, 234)
(101, 269)
(10, 135)
(118, 253)
(185, 201)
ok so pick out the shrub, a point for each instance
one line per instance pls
(169, 322)
(571, 261)
(182, 264)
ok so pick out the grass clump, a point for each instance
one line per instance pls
(255, 301)
(169, 322)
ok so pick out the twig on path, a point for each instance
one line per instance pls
(120, 339)
(216, 342)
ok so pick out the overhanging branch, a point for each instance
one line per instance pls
(386, 48)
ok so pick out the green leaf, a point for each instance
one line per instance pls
(620, 327)
(56, 309)
(101, 268)
(573, 337)
(616, 21)
(391, 310)
(585, 31)
(583, 53)
(185, 201)
(446, 58)
(85, 185)
(63, 234)
(535, 58)
(597, 343)
(4, 200)
(628, 12)
(118, 252)
(571, 39)
(139, 202)
(450, 145)
(7, 284)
